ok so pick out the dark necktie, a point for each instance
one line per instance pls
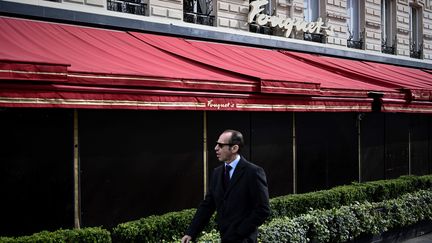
(227, 176)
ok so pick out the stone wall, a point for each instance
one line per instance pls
(336, 11)
(427, 30)
(232, 14)
(373, 25)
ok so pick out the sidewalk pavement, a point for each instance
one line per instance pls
(426, 238)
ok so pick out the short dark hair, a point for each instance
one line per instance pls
(236, 138)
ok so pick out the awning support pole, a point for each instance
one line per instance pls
(409, 151)
(205, 157)
(294, 154)
(77, 214)
(359, 118)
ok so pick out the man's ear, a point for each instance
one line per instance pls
(235, 148)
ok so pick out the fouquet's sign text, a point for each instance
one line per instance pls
(211, 104)
(286, 24)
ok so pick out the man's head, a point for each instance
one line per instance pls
(229, 144)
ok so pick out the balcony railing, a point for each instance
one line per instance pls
(260, 29)
(314, 37)
(386, 48)
(416, 51)
(356, 44)
(198, 18)
(128, 6)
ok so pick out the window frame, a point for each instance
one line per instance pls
(388, 26)
(193, 13)
(416, 31)
(308, 13)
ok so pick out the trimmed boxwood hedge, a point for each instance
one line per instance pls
(85, 235)
(375, 191)
(171, 226)
(348, 222)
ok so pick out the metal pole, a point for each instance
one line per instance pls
(77, 218)
(359, 148)
(294, 155)
(409, 152)
(205, 157)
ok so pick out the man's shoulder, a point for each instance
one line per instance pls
(248, 164)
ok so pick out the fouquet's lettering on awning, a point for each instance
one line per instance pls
(211, 104)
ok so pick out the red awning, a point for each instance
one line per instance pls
(102, 57)
(414, 86)
(278, 73)
(56, 65)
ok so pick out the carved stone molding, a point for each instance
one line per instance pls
(336, 16)
(402, 31)
(373, 24)
(298, 8)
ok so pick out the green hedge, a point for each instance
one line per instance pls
(348, 222)
(171, 226)
(164, 228)
(86, 235)
(296, 204)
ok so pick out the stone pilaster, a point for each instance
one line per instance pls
(233, 14)
(93, 3)
(336, 11)
(169, 9)
(402, 28)
(373, 25)
(427, 30)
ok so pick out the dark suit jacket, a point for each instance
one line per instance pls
(241, 208)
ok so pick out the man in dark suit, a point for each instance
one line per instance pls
(238, 193)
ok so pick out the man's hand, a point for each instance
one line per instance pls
(186, 239)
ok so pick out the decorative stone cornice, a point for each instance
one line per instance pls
(373, 24)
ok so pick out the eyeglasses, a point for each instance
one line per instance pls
(223, 144)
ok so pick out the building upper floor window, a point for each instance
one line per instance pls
(311, 14)
(138, 7)
(311, 10)
(388, 26)
(416, 33)
(355, 34)
(198, 12)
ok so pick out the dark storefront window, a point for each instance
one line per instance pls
(138, 7)
(268, 140)
(419, 136)
(372, 146)
(326, 150)
(36, 154)
(199, 12)
(138, 163)
(396, 145)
